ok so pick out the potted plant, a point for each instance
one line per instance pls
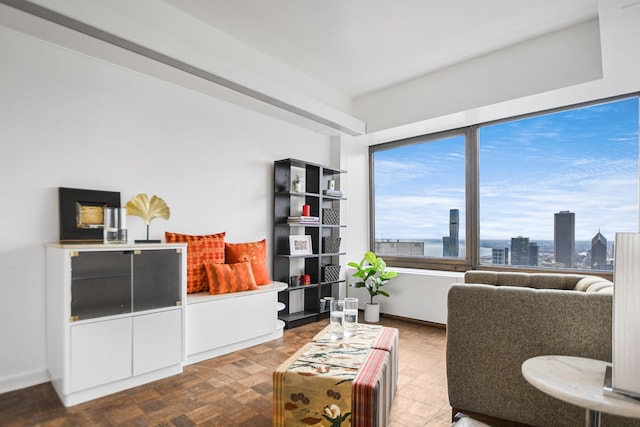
(297, 184)
(373, 275)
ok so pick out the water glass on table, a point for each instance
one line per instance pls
(350, 323)
(336, 318)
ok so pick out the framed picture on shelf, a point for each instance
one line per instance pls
(300, 244)
(81, 213)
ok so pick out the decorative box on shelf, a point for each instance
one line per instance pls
(330, 273)
(331, 245)
(331, 216)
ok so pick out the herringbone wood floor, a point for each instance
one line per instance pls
(236, 389)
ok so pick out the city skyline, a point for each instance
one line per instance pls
(584, 161)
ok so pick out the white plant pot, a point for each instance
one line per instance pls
(371, 312)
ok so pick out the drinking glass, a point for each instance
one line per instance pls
(115, 225)
(350, 316)
(336, 318)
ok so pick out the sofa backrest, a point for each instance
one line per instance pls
(578, 282)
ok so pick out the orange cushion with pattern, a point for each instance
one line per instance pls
(225, 278)
(200, 250)
(254, 253)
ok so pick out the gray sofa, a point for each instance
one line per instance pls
(497, 320)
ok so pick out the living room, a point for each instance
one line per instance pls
(82, 113)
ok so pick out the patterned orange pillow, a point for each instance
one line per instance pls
(200, 250)
(225, 278)
(255, 253)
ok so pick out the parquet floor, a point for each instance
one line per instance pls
(236, 389)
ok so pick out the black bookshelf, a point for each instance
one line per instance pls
(302, 302)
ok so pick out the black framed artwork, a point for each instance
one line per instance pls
(81, 213)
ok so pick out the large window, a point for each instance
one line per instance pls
(420, 198)
(543, 191)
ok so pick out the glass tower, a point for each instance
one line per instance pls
(564, 238)
(519, 250)
(454, 227)
(599, 252)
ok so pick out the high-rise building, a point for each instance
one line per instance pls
(564, 238)
(519, 250)
(533, 254)
(445, 246)
(500, 256)
(454, 226)
(450, 243)
(599, 252)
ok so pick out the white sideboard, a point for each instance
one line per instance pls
(220, 324)
(115, 316)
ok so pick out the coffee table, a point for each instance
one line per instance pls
(579, 381)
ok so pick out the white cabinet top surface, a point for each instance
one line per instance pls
(114, 246)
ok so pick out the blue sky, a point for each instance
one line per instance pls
(583, 160)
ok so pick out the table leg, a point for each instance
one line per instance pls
(592, 418)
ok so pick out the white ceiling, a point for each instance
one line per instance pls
(359, 46)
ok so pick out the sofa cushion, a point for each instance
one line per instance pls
(584, 283)
(226, 278)
(528, 280)
(552, 281)
(601, 285)
(200, 250)
(606, 290)
(254, 253)
(484, 277)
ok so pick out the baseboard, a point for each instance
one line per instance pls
(230, 348)
(418, 321)
(28, 379)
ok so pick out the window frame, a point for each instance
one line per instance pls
(472, 197)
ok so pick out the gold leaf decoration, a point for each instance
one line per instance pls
(141, 206)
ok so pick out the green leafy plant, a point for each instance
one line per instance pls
(373, 274)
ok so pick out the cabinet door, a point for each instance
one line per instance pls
(100, 353)
(156, 279)
(100, 284)
(211, 325)
(255, 315)
(157, 341)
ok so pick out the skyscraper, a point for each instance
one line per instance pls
(519, 250)
(564, 238)
(533, 254)
(454, 226)
(445, 246)
(500, 256)
(599, 252)
(450, 243)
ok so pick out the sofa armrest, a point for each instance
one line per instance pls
(492, 330)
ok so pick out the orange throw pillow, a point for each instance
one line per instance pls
(200, 250)
(225, 278)
(254, 253)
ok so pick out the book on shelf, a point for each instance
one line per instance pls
(303, 220)
(333, 193)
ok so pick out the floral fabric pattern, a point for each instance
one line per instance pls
(315, 386)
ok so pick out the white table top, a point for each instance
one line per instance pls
(579, 381)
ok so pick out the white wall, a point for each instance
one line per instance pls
(414, 294)
(70, 120)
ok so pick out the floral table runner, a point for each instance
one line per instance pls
(321, 382)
